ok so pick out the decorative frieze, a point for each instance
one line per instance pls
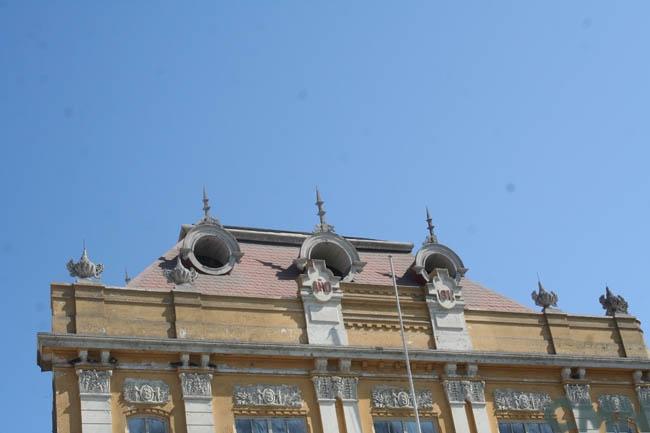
(643, 391)
(94, 381)
(615, 403)
(509, 399)
(145, 391)
(578, 394)
(465, 390)
(333, 387)
(385, 397)
(196, 384)
(267, 395)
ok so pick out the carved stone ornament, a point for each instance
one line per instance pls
(180, 274)
(615, 403)
(444, 288)
(94, 381)
(385, 397)
(319, 281)
(578, 394)
(465, 390)
(613, 304)
(84, 269)
(196, 384)
(333, 387)
(643, 391)
(268, 395)
(544, 299)
(509, 399)
(145, 391)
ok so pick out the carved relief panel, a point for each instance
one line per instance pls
(267, 395)
(145, 391)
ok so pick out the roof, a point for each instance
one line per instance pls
(267, 271)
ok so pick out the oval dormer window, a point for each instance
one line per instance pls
(434, 256)
(438, 261)
(211, 249)
(211, 252)
(338, 253)
(335, 257)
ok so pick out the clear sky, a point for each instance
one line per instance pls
(523, 125)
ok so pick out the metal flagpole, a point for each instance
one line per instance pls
(406, 350)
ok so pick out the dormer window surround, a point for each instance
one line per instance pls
(433, 256)
(209, 247)
(339, 255)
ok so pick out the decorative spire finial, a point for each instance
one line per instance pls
(207, 219)
(542, 298)
(431, 239)
(613, 304)
(84, 269)
(180, 274)
(323, 226)
(127, 278)
(206, 205)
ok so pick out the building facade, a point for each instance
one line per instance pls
(242, 330)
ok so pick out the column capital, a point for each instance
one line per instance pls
(94, 382)
(460, 391)
(196, 385)
(333, 387)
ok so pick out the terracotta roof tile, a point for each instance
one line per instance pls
(267, 270)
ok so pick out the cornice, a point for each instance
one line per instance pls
(167, 345)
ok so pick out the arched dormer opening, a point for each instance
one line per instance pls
(209, 247)
(339, 255)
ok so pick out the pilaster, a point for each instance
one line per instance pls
(461, 390)
(643, 393)
(579, 396)
(197, 398)
(328, 390)
(95, 399)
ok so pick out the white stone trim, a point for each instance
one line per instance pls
(197, 399)
(95, 400)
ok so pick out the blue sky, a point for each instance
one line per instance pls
(522, 125)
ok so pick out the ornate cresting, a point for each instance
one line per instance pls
(614, 305)
(543, 298)
(84, 269)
